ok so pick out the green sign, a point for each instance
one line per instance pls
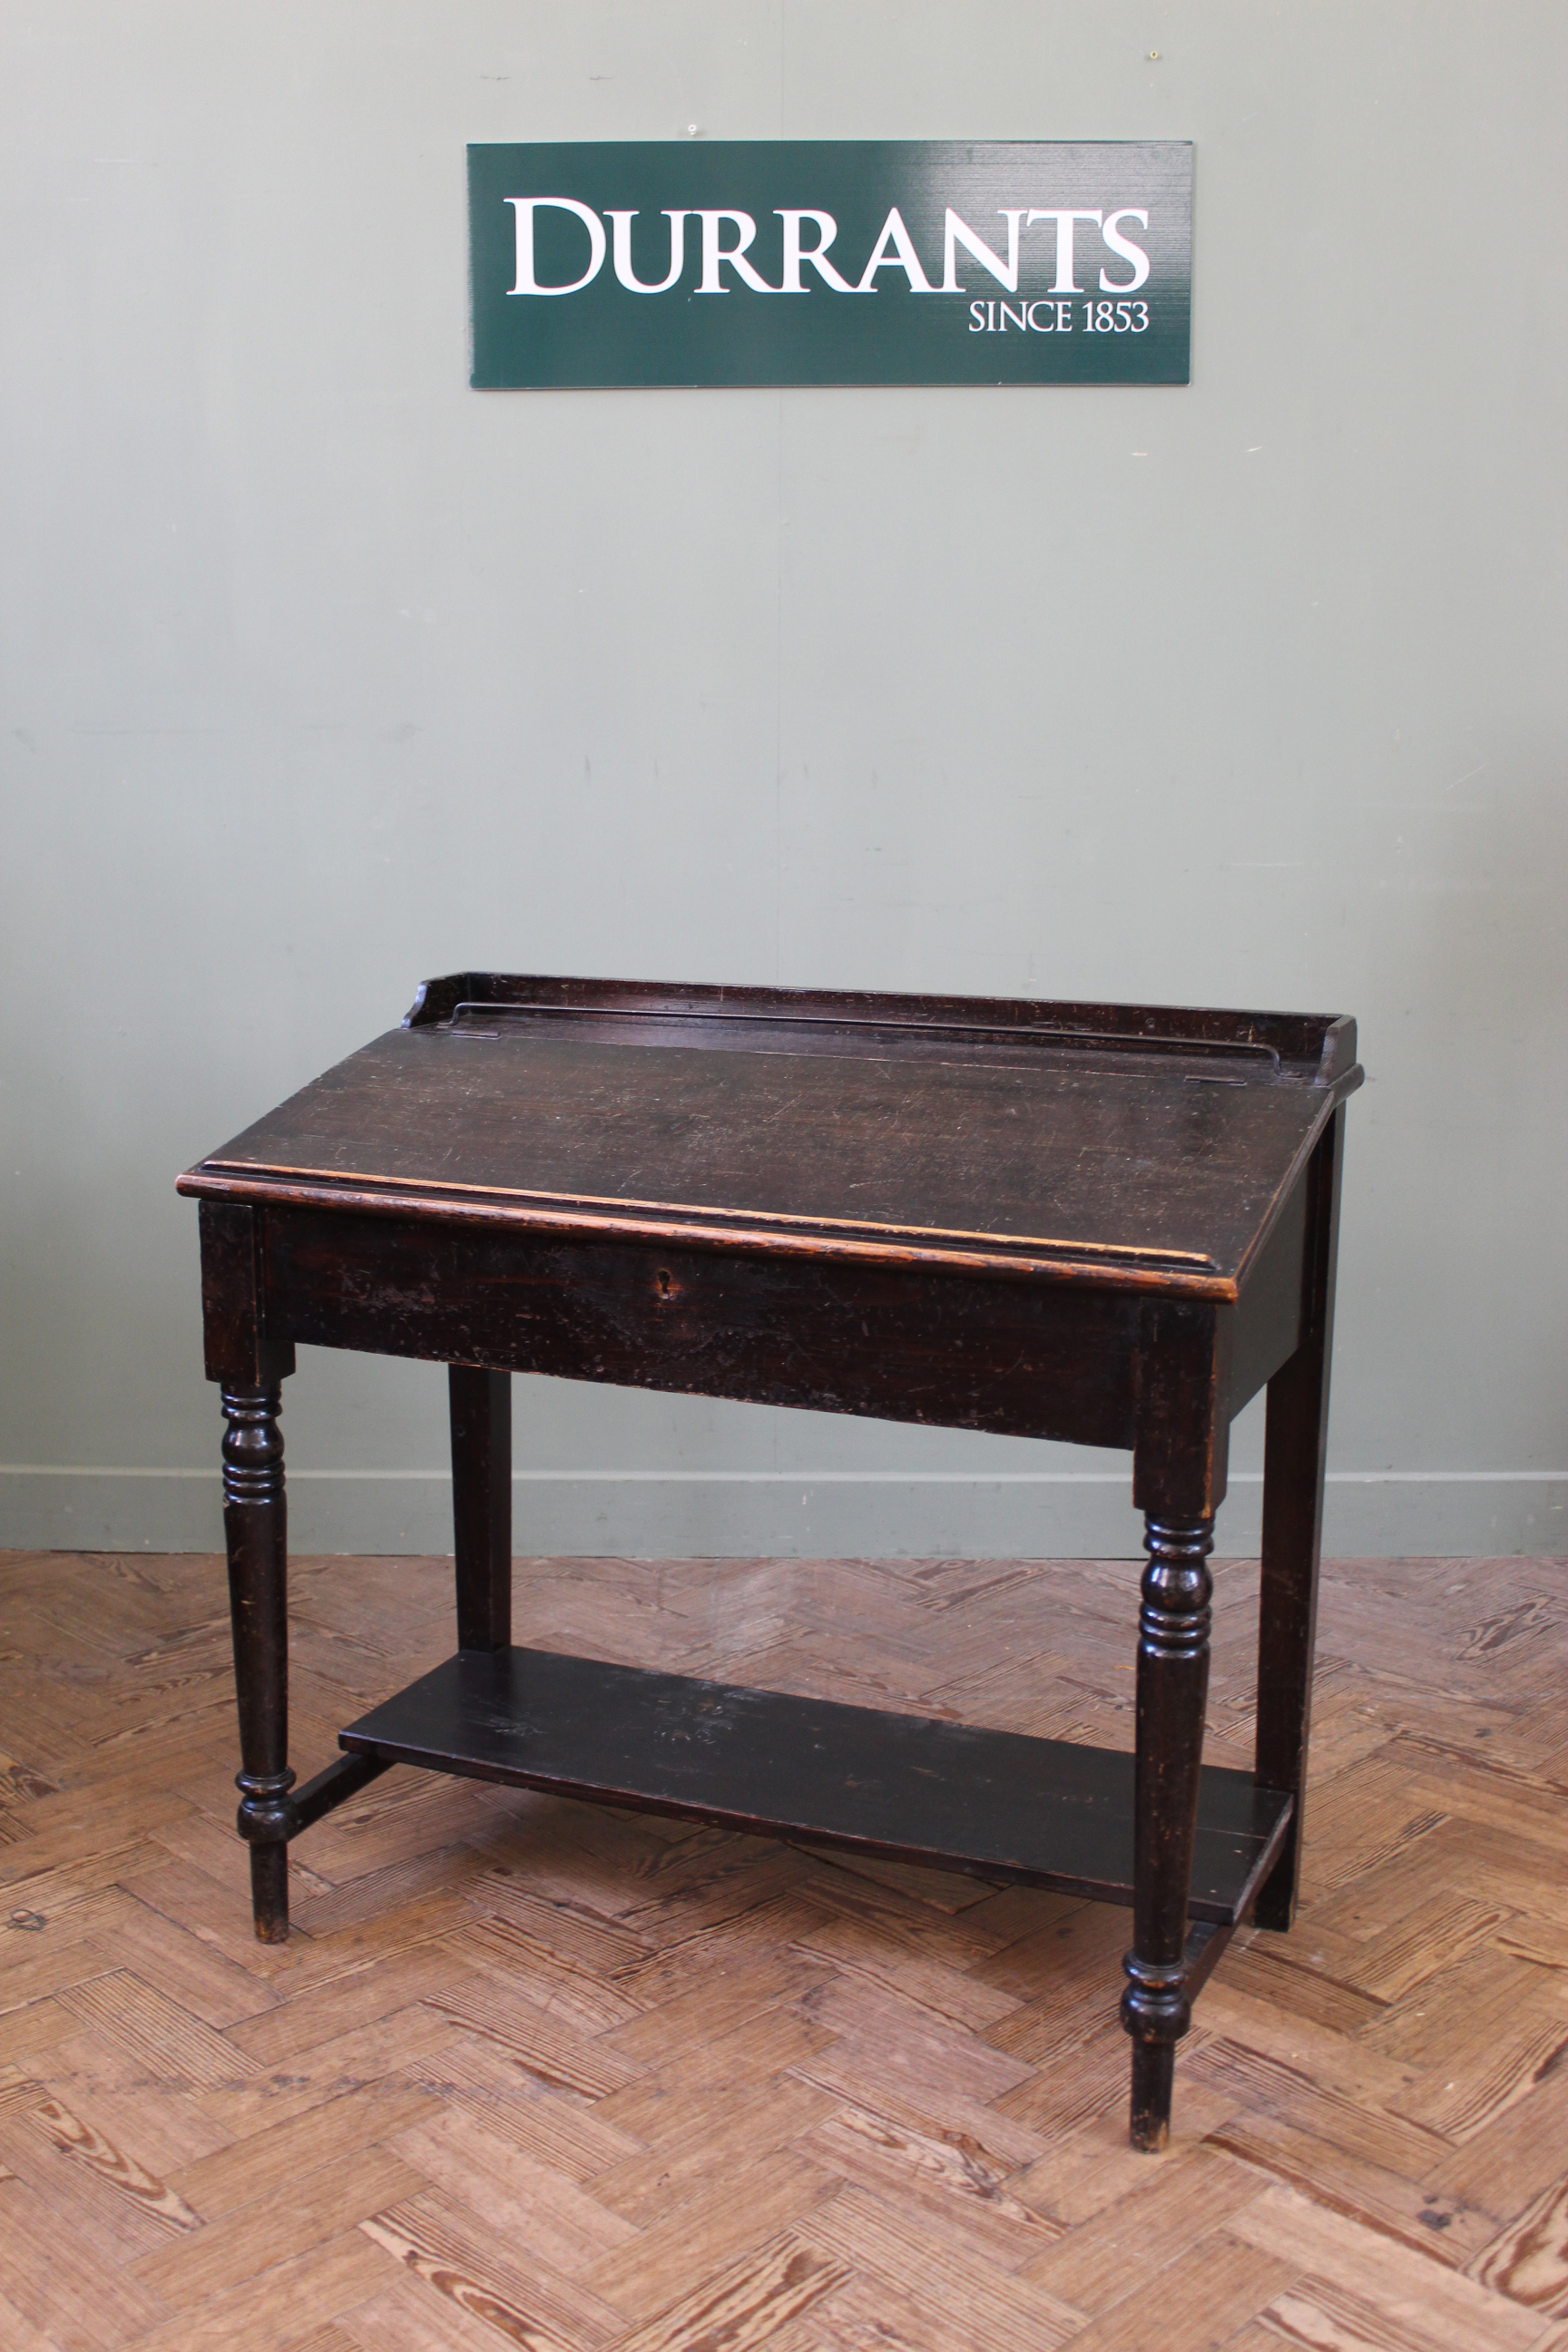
(831, 261)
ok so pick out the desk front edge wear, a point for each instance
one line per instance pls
(1110, 1225)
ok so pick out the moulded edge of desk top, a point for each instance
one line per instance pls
(458, 1205)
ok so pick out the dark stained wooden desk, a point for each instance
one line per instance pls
(1106, 1223)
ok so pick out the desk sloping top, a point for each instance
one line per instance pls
(1128, 1144)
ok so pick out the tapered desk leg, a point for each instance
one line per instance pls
(481, 1505)
(1172, 1685)
(254, 1528)
(1295, 1447)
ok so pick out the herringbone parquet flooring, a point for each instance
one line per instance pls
(535, 2074)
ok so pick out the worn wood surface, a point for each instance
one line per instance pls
(1296, 1448)
(1175, 1622)
(528, 2072)
(256, 1524)
(1101, 1223)
(480, 1418)
(904, 1788)
(950, 1125)
(939, 1349)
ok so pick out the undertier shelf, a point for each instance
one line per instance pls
(1043, 1812)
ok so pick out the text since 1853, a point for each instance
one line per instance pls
(833, 262)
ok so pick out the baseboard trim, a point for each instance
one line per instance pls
(723, 1514)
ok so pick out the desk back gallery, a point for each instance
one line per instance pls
(831, 262)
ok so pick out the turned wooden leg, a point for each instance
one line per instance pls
(254, 1526)
(1172, 1685)
(481, 1505)
(1295, 1447)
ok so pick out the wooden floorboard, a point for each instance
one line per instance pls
(533, 2074)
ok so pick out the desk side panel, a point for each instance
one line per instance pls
(1267, 1323)
(1020, 1358)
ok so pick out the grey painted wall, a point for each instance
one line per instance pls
(321, 672)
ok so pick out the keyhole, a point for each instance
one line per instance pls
(663, 1284)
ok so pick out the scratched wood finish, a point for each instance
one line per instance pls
(1109, 1227)
(933, 1348)
(1140, 1138)
(1108, 1224)
(530, 2073)
(1044, 1812)
(1061, 1142)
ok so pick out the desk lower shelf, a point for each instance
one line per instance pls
(1044, 1812)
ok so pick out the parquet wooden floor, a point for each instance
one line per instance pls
(535, 2074)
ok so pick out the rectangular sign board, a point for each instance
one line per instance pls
(831, 262)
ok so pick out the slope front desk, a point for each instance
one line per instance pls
(1105, 1223)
